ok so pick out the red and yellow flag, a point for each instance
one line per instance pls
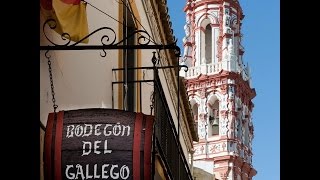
(70, 16)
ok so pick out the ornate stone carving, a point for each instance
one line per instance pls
(230, 48)
(234, 92)
(215, 148)
(231, 92)
(203, 93)
(234, 20)
(231, 126)
(224, 88)
(227, 21)
(223, 126)
(202, 129)
(224, 146)
(238, 148)
(224, 175)
(202, 149)
(236, 131)
(212, 148)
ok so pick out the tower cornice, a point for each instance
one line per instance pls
(243, 90)
(193, 5)
(224, 75)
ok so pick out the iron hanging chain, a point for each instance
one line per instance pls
(152, 96)
(55, 106)
(152, 101)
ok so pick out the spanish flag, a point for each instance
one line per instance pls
(70, 16)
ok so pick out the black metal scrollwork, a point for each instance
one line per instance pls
(141, 39)
(107, 41)
(66, 36)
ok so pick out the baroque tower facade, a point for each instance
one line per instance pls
(219, 88)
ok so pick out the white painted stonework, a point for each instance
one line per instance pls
(212, 77)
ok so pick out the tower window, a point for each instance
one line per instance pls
(215, 125)
(195, 114)
(208, 44)
(214, 122)
(239, 132)
(246, 135)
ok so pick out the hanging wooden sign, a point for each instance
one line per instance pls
(98, 144)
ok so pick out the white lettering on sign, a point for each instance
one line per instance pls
(84, 143)
(105, 171)
(99, 129)
(86, 148)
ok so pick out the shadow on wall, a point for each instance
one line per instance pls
(42, 132)
(200, 174)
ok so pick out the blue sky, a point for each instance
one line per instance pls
(261, 29)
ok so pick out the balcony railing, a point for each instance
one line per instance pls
(166, 138)
(193, 71)
(215, 68)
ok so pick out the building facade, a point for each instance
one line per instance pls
(109, 78)
(219, 88)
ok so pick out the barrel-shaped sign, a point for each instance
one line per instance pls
(98, 144)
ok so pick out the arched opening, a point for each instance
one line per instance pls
(246, 134)
(213, 114)
(238, 127)
(205, 41)
(246, 128)
(195, 116)
(208, 44)
(214, 119)
(238, 123)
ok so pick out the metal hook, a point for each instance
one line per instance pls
(185, 66)
(104, 53)
(47, 55)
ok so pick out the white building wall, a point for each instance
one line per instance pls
(82, 79)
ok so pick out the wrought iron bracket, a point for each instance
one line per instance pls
(151, 67)
(108, 41)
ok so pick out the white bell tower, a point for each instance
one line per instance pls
(219, 88)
